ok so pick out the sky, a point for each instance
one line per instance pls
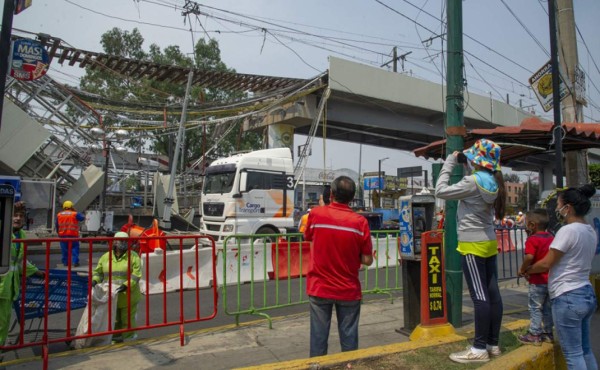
(505, 42)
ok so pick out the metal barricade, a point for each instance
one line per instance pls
(271, 267)
(384, 275)
(275, 265)
(511, 251)
(60, 294)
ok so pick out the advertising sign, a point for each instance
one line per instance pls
(541, 82)
(372, 183)
(406, 230)
(29, 60)
(433, 280)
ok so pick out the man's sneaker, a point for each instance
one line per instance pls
(547, 337)
(493, 351)
(470, 355)
(529, 338)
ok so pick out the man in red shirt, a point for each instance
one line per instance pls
(341, 243)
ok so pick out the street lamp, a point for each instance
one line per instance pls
(379, 182)
(379, 173)
(108, 143)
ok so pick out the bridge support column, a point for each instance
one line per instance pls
(280, 135)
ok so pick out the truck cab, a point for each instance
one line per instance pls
(248, 193)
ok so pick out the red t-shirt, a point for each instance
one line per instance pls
(340, 236)
(538, 245)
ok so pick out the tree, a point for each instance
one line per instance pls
(511, 177)
(594, 169)
(534, 195)
(169, 96)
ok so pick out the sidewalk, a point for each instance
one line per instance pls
(254, 344)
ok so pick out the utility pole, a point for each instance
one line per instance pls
(395, 58)
(556, 131)
(455, 131)
(572, 106)
(169, 198)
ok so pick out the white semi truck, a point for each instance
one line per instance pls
(249, 193)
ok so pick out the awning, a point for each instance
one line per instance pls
(531, 138)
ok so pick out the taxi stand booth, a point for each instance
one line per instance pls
(423, 276)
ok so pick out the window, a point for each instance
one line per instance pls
(265, 180)
(218, 182)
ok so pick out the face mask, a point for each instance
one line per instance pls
(559, 216)
(120, 247)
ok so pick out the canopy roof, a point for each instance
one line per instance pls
(531, 141)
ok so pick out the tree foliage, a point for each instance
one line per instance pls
(534, 195)
(511, 177)
(119, 88)
(594, 169)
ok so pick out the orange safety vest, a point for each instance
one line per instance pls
(67, 223)
(303, 222)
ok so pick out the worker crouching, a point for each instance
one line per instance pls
(125, 271)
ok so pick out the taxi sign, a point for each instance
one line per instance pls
(29, 60)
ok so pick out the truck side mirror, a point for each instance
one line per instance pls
(243, 181)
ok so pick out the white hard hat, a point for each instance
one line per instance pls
(520, 213)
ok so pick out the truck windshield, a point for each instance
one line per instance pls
(219, 180)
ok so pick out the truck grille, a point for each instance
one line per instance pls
(211, 227)
(213, 209)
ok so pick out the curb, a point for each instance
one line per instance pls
(379, 351)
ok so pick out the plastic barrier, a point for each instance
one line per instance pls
(385, 250)
(163, 272)
(61, 293)
(242, 263)
(145, 244)
(505, 243)
(289, 259)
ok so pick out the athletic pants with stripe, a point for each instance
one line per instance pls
(481, 274)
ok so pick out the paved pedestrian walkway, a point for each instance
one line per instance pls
(253, 343)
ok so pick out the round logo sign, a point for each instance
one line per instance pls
(29, 60)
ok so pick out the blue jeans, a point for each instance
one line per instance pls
(572, 312)
(540, 311)
(481, 274)
(64, 248)
(347, 313)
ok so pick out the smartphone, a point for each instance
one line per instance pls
(327, 194)
(461, 157)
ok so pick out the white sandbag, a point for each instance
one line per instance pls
(99, 308)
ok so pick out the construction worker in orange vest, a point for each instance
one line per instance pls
(303, 221)
(67, 227)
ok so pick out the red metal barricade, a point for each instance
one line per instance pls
(194, 268)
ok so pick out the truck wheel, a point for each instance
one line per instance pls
(268, 230)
